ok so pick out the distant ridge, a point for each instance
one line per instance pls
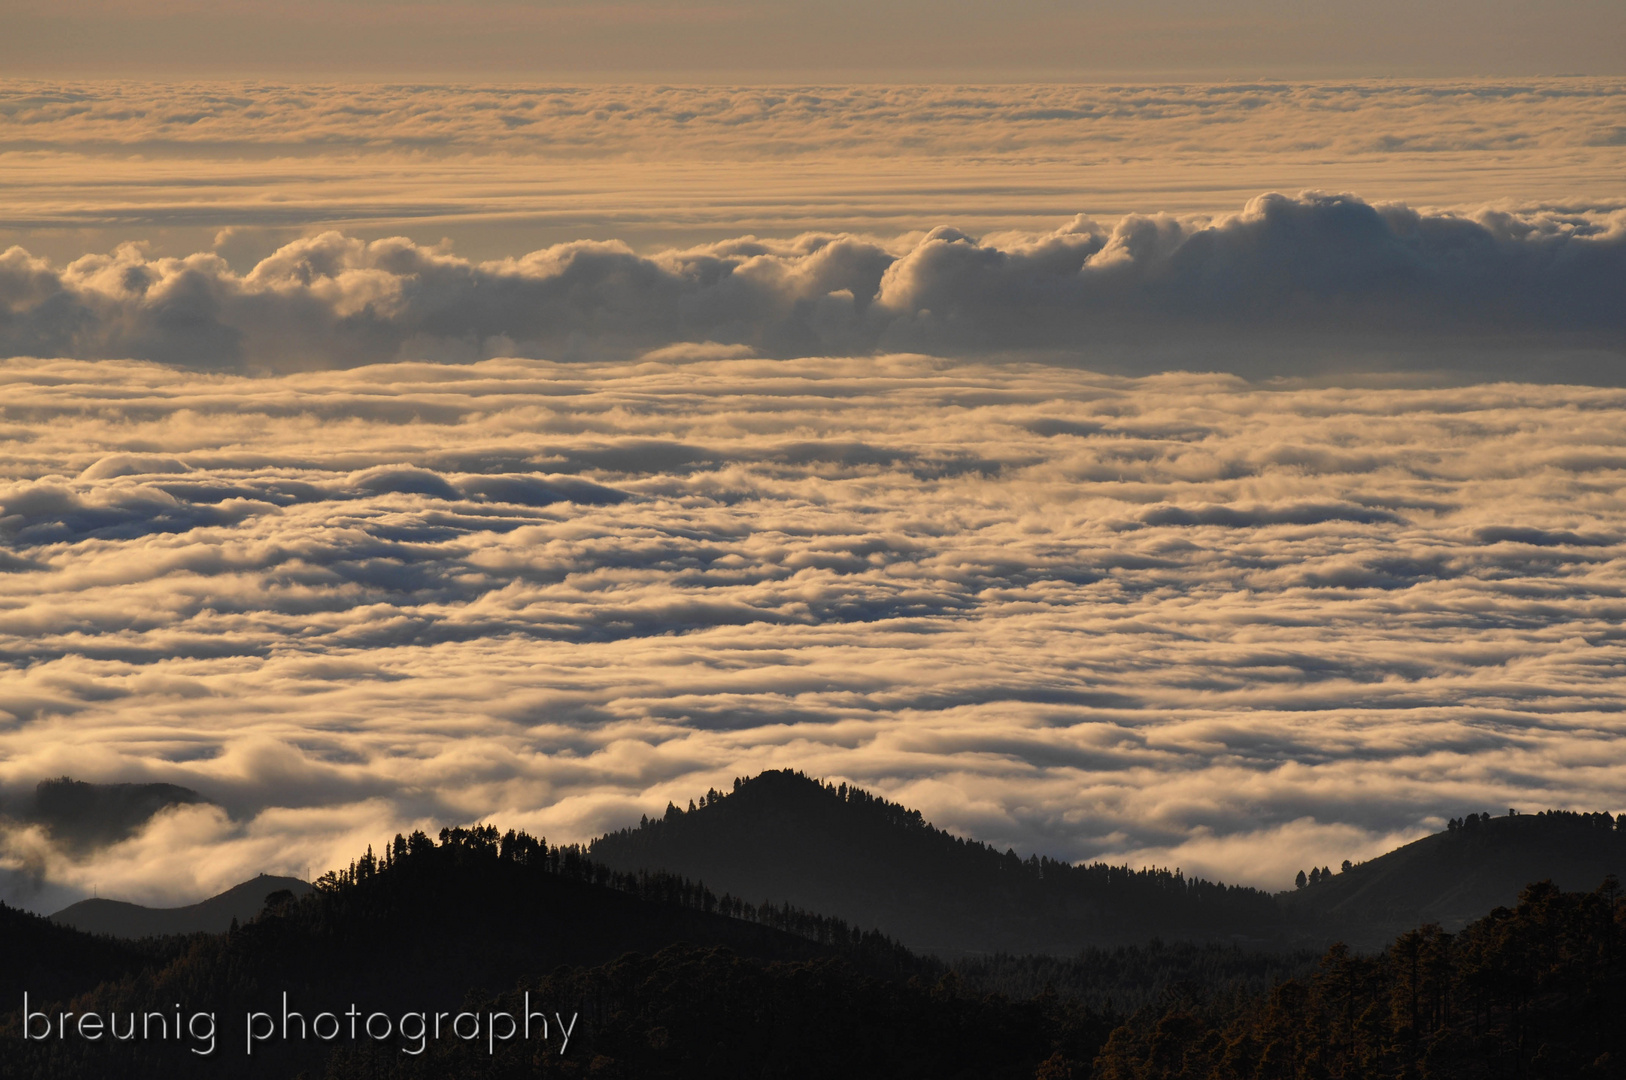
(85, 815)
(785, 837)
(212, 916)
(661, 977)
(428, 926)
(50, 960)
(1452, 878)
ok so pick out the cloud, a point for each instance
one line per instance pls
(1300, 282)
(352, 534)
(310, 119)
(242, 169)
(1180, 618)
(35, 513)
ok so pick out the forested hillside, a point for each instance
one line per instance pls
(839, 849)
(834, 848)
(56, 962)
(421, 927)
(1452, 878)
(662, 977)
(1532, 991)
(1529, 992)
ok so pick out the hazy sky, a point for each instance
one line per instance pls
(844, 39)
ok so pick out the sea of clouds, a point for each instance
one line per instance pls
(1180, 618)
(820, 429)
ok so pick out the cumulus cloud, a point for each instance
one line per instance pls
(1285, 286)
(1179, 619)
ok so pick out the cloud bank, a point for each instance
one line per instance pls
(244, 167)
(1178, 618)
(1286, 286)
(1344, 118)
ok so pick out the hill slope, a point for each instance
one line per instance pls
(212, 916)
(673, 980)
(1452, 878)
(428, 927)
(785, 837)
(1529, 991)
(52, 962)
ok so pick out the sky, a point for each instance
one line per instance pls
(1215, 464)
(796, 40)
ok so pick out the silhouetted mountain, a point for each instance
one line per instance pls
(80, 815)
(1452, 878)
(1535, 991)
(707, 1014)
(664, 978)
(1530, 992)
(53, 963)
(422, 928)
(784, 837)
(212, 916)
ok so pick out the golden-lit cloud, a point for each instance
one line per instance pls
(1292, 286)
(1180, 618)
(387, 456)
(503, 170)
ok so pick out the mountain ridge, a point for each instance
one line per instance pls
(214, 915)
(1480, 863)
(784, 836)
(668, 979)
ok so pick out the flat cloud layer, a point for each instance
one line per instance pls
(500, 170)
(1286, 286)
(1179, 618)
(1349, 117)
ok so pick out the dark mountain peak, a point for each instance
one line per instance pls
(786, 837)
(81, 815)
(418, 926)
(668, 979)
(784, 798)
